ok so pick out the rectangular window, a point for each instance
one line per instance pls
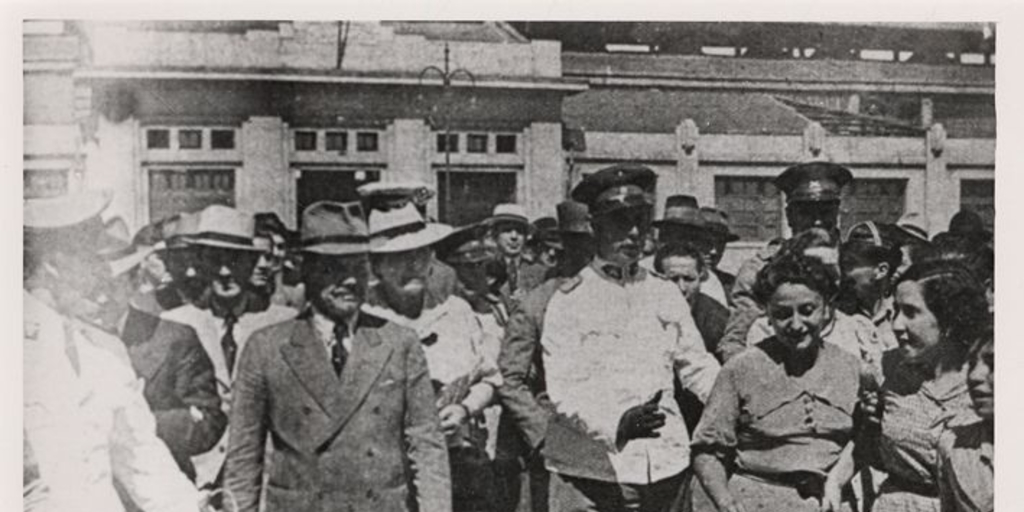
(473, 195)
(305, 141)
(979, 196)
(754, 206)
(222, 139)
(366, 141)
(158, 139)
(476, 143)
(880, 200)
(505, 144)
(452, 144)
(190, 139)
(181, 190)
(45, 183)
(337, 141)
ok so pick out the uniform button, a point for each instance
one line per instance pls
(222, 449)
(306, 409)
(376, 410)
(370, 495)
(369, 453)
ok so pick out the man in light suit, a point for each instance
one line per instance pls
(344, 397)
(224, 316)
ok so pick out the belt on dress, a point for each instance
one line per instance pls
(807, 483)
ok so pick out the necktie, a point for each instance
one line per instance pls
(338, 353)
(227, 343)
(513, 276)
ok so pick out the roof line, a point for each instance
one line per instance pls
(777, 85)
(552, 85)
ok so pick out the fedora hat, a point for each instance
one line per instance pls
(224, 227)
(334, 228)
(71, 221)
(508, 212)
(573, 218)
(912, 225)
(466, 245)
(122, 253)
(717, 222)
(403, 229)
(66, 211)
(681, 210)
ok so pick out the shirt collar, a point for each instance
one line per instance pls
(324, 327)
(616, 273)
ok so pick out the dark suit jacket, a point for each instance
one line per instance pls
(178, 375)
(727, 280)
(524, 402)
(711, 318)
(369, 441)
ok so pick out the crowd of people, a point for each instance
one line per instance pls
(596, 360)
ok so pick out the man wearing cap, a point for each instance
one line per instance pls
(509, 227)
(545, 244)
(615, 339)
(462, 372)
(223, 317)
(813, 192)
(719, 282)
(87, 427)
(343, 396)
(387, 196)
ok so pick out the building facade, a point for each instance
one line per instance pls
(272, 116)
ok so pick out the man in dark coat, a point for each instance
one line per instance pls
(344, 397)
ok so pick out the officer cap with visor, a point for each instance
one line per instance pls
(616, 188)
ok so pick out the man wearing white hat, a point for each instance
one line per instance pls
(343, 396)
(464, 376)
(223, 317)
(509, 227)
(387, 196)
(87, 427)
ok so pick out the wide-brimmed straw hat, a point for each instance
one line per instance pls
(333, 228)
(508, 213)
(72, 221)
(403, 229)
(225, 228)
(122, 253)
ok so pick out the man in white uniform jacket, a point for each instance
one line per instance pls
(614, 340)
(87, 426)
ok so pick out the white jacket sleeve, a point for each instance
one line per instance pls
(141, 462)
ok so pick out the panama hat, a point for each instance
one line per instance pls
(334, 228)
(224, 227)
(71, 221)
(403, 229)
(121, 253)
(508, 212)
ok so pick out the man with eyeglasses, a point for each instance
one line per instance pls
(225, 314)
(615, 339)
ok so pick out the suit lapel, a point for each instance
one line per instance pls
(367, 359)
(307, 357)
(148, 352)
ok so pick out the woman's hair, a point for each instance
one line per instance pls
(954, 295)
(684, 250)
(796, 268)
(986, 337)
(978, 258)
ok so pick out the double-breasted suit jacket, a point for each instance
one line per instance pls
(369, 440)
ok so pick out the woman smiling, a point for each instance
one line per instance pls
(780, 416)
(941, 310)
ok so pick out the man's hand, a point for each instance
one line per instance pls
(452, 417)
(641, 421)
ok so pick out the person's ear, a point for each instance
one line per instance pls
(882, 270)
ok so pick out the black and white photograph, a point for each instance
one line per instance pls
(318, 265)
